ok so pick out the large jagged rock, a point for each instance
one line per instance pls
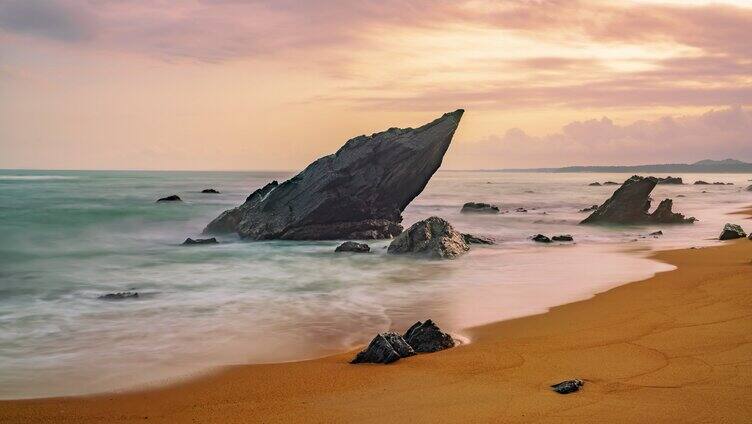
(385, 348)
(359, 192)
(630, 204)
(425, 337)
(433, 237)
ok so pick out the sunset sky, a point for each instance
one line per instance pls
(234, 84)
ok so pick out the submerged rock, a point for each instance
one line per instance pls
(656, 233)
(433, 237)
(119, 296)
(359, 192)
(540, 238)
(385, 348)
(210, 191)
(353, 246)
(521, 210)
(701, 182)
(473, 207)
(732, 231)
(749, 187)
(473, 239)
(563, 237)
(171, 198)
(190, 241)
(589, 209)
(611, 183)
(425, 337)
(670, 180)
(595, 184)
(630, 204)
(567, 386)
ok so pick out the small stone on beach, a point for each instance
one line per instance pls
(567, 386)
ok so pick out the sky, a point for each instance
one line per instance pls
(273, 85)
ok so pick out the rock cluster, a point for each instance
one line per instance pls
(432, 237)
(359, 192)
(630, 204)
(353, 246)
(473, 207)
(385, 348)
(732, 231)
(421, 337)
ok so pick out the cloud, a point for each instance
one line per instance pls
(715, 134)
(47, 19)
(369, 47)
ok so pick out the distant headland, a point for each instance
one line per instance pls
(703, 166)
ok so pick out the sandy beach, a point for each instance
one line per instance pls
(673, 348)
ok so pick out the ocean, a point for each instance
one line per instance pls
(70, 236)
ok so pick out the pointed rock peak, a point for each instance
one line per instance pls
(357, 193)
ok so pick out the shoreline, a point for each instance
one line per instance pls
(659, 348)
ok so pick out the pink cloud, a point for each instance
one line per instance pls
(714, 134)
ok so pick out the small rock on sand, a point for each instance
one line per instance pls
(567, 386)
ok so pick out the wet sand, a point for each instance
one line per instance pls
(673, 348)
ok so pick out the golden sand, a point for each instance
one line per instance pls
(673, 348)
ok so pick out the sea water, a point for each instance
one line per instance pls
(70, 236)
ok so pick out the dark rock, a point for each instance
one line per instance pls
(567, 386)
(352, 246)
(701, 182)
(521, 210)
(663, 214)
(119, 296)
(191, 241)
(720, 183)
(359, 192)
(433, 237)
(171, 198)
(749, 187)
(589, 209)
(540, 238)
(670, 180)
(562, 237)
(209, 191)
(656, 233)
(732, 231)
(425, 337)
(385, 348)
(595, 184)
(630, 204)
(680, 195)
(610, 183)
(472, 239)
(260, 193)
(472, 207)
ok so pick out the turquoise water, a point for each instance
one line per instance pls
(71, 236)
